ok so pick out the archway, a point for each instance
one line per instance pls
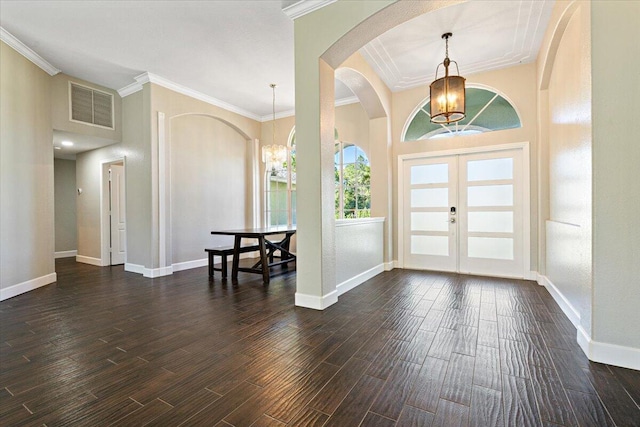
(324, 41)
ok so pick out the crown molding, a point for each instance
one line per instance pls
(290, 113)
(27, 52)
(161, 81)
(304, 7)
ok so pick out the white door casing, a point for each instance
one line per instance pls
(488, 233)
(117, 214)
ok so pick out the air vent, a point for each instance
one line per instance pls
(91, 106)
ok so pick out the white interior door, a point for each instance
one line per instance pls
(117, 214)
(464, 213)
(431, 241)
(491, 213)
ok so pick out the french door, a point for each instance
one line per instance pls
(464, 213)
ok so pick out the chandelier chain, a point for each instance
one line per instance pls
(273, 126)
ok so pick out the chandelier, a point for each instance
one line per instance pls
(274, 155)
(447, 93)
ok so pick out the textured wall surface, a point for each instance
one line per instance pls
(616, 180)
(568, 242)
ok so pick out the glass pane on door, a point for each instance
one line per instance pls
(430, 198)
(429, 221)
(430, 174)
(490, 195)
(490, 222)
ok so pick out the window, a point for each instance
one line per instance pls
(280, 191)
(353, 182)
(486, 111)
(352, 185)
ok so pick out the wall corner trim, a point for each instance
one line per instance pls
(359, 279)
(316, 302)
(304, 7)
(27, 52)
(66, 254)
(89, 260)
(611, 354)
(148, 272)
(157, 272)
(388, 266)
(567, 308)
(27, 286)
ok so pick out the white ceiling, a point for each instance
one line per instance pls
(232, 50)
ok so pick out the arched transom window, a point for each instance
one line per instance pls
(486, 111)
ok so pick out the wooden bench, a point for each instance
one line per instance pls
(223, 252)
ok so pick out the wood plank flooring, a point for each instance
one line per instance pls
(407, 348)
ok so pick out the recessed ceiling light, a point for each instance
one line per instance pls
(57, 148)
(67, 143)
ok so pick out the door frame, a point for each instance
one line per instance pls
(526, 193)
(105, 221)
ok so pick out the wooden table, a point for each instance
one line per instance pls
(265, 246)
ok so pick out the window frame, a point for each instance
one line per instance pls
(429, 135)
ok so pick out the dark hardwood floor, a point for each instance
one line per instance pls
(103, 347)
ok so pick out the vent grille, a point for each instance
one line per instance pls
(91, 106)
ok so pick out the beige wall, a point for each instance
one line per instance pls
(60, 109)
(568, 227)
(26, 171)
(89, 179)
(136, 145)
(66, 225)
(352, 123)
(518, 85)
(209, 182)
(216, 132)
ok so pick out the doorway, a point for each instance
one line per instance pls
(466, 212)
(114, 242)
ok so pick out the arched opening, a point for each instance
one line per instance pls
(209, 164)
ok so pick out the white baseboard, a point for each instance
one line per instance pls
(89, 260)
(567, 308)
(611, 354)
(158, 272)
(27, 286)
(316, 302)
(134, 268)
(531, 275)
(349, 284)
(187, 265)
(388, 266)
(65, 254)
(148, 272)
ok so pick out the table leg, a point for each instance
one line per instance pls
(264, 259)
(236, 257)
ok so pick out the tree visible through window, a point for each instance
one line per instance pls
(352, 185)
(353, 182)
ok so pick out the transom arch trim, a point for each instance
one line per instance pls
(211, 116)
(426, 100)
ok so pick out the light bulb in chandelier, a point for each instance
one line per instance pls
(447, 93)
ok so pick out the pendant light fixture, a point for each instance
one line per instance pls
(274, 155)
(447, 93)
